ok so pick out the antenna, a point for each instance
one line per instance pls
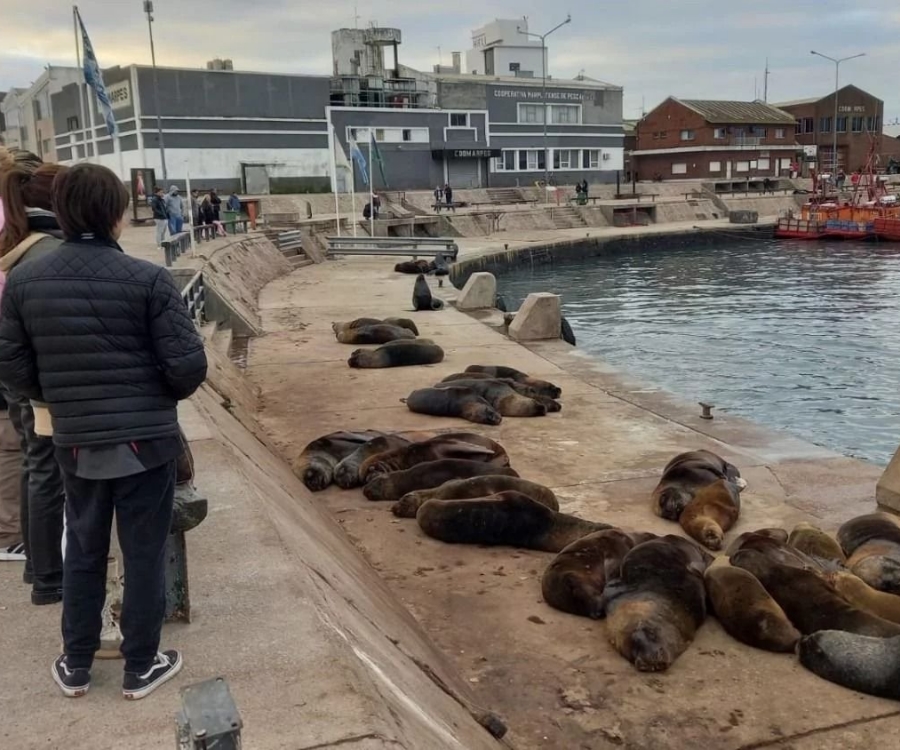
(766, 82)
(355, 15)
(755, 89)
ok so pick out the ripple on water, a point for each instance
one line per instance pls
(798, 336)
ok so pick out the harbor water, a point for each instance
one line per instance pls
(799, 336)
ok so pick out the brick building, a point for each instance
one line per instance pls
(703, 139)
(859, 121)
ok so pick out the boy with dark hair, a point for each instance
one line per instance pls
(109, 346)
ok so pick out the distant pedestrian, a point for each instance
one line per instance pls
(584, 188)
(195, 208)
(448, 197)
(160, 214)
(438, 198)
(841, 179)
(854, 178)
(216, 202)
(234, 203)
(175, 209)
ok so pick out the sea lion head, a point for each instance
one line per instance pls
(379, 488)
(880, 572)
(671, 501)
(648, 646)
(357, 358)
(481, 412)
(316, 478)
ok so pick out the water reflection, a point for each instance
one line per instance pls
(799, 336)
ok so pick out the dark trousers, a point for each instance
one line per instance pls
(143, 508)
(43, 499)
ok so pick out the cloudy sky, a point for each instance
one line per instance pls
(690, 48)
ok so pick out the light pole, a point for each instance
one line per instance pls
(837, 67)
(148, 9)
(543, 38)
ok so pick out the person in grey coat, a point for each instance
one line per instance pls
(175, 208)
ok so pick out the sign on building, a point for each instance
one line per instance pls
(119, 94)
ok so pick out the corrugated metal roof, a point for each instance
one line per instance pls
(797, 102)
(740, 113)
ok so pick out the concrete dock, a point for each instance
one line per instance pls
(338, 625)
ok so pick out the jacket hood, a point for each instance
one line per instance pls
(40, 220)
(173, 190)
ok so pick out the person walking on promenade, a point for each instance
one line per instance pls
(175, 209)
(216, 202)
(160, 214)
(31, 233)
(438, 199)
(111, 348)
(448, 196)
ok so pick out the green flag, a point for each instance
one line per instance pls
(376, 157)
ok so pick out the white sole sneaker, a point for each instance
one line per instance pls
(142, 692)
(67, 691)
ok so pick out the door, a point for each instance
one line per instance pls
(256, 179)
(464, 174)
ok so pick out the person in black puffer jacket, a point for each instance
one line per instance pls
(106, 341)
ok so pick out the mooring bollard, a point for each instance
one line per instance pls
(707, 410)
(208, 718)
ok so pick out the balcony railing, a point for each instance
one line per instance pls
(746, 141)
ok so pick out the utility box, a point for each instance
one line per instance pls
(209, 719)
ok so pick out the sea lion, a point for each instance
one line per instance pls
(393, 486)
(346, 473)
(777, 551)
(398, 354)
(816, 543)
(565, 331)
(457, 379)
(862, 663)
(315, 464)
(414, 266)
(508, 519)
(872, 546)
(502, 397)
(574, 581)
(747, 611)
(422, 299)
(655, 605)
(543, 387)
(462, 489)
(807, 599)
(374, 334)
(453, 402)
(684, 475)
(363, 322)
(713, 511)
(861, 595)
(453, 445)
(777, 534)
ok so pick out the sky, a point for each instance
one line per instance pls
(700, 49)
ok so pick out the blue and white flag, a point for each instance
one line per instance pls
(360, 160)
(93, 77)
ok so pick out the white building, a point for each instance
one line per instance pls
(500, 49)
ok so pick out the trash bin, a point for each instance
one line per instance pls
(581, 199)
(230, 216)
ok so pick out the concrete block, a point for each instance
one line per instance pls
(540, 317)
(479, 292)
(887, 491)
(743, 217)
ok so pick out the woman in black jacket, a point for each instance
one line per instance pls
(111, 349)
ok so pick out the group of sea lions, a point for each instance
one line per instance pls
(484, 394)
(398, 336)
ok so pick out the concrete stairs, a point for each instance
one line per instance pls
(566, 217)
(505, 195)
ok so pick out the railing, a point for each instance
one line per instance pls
(414, 246)
(194, 295)
(746, 141)
(175, 247)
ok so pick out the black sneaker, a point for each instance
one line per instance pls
(166, 665)
(48, 596)
(73, 682)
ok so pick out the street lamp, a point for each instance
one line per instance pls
(148, 9)
(837, 66)
(543, 38)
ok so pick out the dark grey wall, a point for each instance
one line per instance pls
(234, 123)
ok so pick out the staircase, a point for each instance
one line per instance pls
(566, 217)
(291, 245)
(505, 195)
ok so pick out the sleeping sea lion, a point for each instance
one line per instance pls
(816, 543)
(521, 388)
(808, 601)
(747, 611)
(374, 334)
(315, 464)
(866, 664)
(393, 486)
(422, 299)
(464, 445)
(462, 489)
(498, 371)
(414, 266)
(398, 354)
(872, 546)
(713, 511)
(574, 581)
(861, 595)
(508, 518)
(777, 551)
(346, 473)
(777, 534)
(687, 473)
(501, 396)
(363, 322)
(655, 605)
(453, 402)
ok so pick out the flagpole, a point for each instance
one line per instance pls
(82, 90)
(371, 188)
(334, 185)
(355, 221)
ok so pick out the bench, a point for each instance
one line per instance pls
(452, 205)
(635, 196)
(403, 246)
(208, 231)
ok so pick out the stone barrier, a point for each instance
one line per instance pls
(540, 317)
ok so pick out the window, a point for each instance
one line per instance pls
(857, 124)
(824, 124)
(779, 133)
(590, 158)
(758, 131)
(798, 127)
(687, 135)
(809, 125)
(531, 160)
(72, 124)
(762, 164)
(841, 124)
(679, 168)
(565, 114)
(715, 166)
(459, 119)
(871, 124)
(531, 113)
(742, 166)
(564, 158)
(718, 134)
(38, 111)
(45, 148)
